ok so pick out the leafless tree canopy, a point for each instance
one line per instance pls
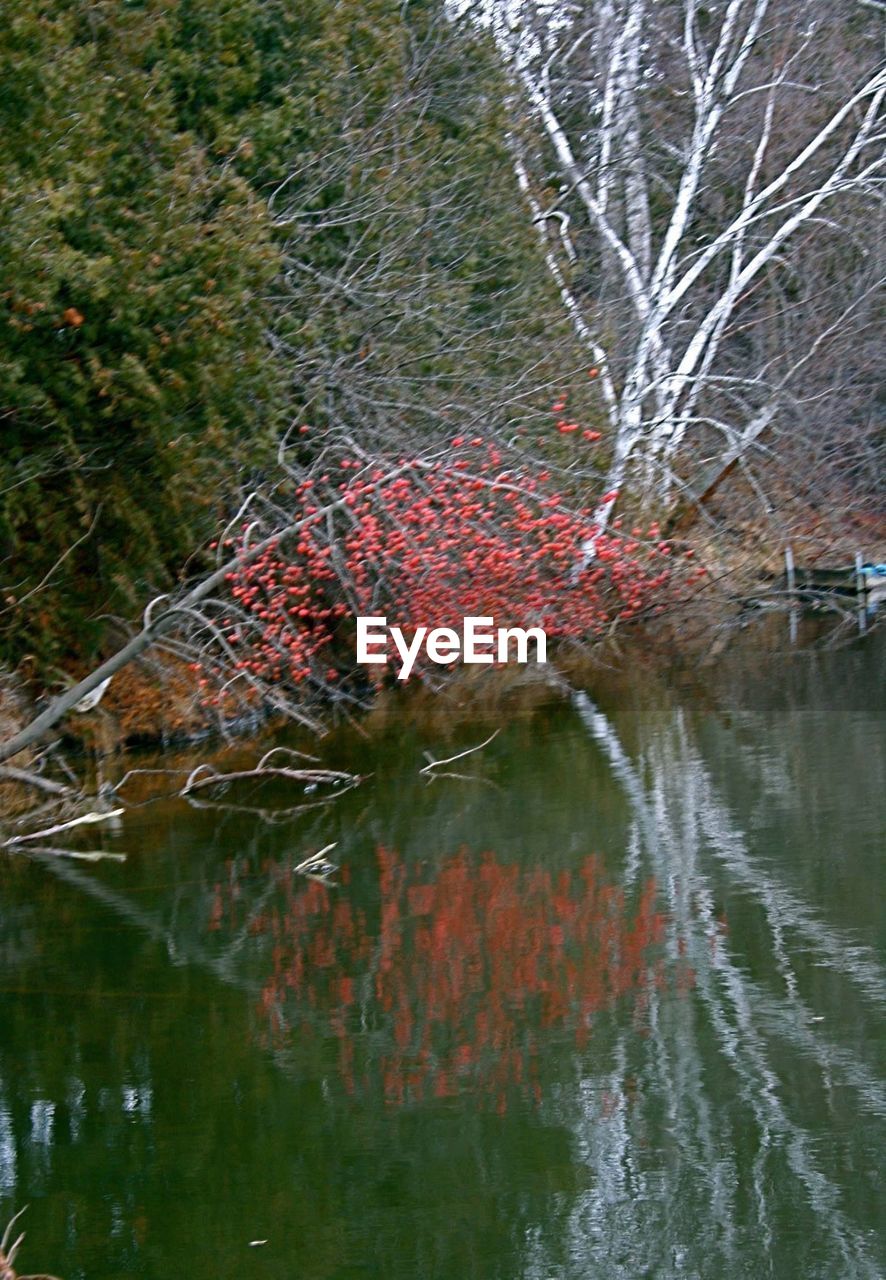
(708, 182)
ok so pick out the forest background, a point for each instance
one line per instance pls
(631, 253)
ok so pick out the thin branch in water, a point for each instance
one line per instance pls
(85, 855)
(66, 826)
(287, 751)
(206, 776)
(434, 764)
(466, 777)
(318, 866)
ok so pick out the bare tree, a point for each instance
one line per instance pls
(412, 303)
(691, 161)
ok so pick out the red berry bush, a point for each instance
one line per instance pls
(427, 542)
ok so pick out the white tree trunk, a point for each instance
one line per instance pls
(594, 76)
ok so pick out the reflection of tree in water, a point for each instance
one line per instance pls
(742, 1140)
(469, 966)
(696, 1015)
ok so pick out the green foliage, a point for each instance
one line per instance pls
(183, 178)
(133, 365)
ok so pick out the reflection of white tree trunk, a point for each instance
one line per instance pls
(678, 193)
(682, 832)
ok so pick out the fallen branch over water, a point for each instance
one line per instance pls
(204, 779)
(153, 628)
(197, 785)
(207, 776)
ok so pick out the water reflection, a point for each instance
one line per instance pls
(685, 834)
(488, 1053)
(462, 974)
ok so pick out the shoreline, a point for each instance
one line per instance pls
(154, 707)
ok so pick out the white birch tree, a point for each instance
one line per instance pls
(679, 160)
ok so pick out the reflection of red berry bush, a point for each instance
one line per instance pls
(429, 544)
(465, 972)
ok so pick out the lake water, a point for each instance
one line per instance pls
(611, 1007)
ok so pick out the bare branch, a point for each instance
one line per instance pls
(435, 764)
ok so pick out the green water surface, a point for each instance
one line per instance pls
(611, 1007)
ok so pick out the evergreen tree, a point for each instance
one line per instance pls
(216, 215)
(133, 364)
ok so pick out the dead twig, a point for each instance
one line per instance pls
(192, 779)
(318, 866)
(434, 764)
(66, 826)
(28, 779)
(206, 776)
(286, 751)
